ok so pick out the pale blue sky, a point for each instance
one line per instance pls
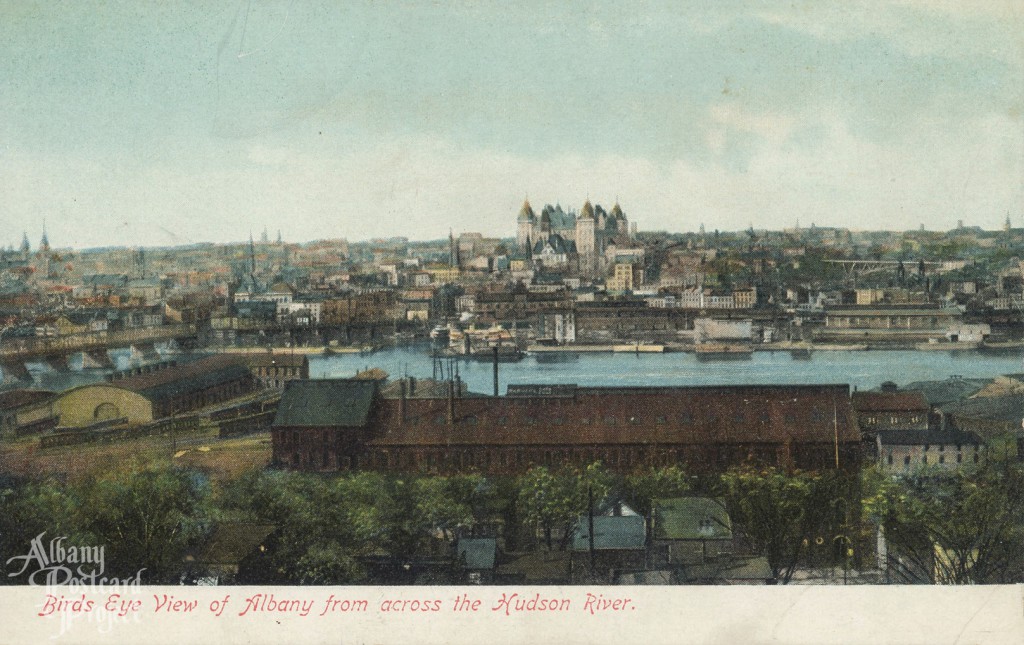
(163, 122)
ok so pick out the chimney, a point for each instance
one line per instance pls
(451, 403)
(495, 370)
(401, 402)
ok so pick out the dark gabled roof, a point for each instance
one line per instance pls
(939, 393)
(480, 553)
(16, 398)
(691, 518)
(947, 437)
(343, 403)
(269, 359)
(901, 401)
(610, 532)
(182, 379)
(990, 408)
(196, 383)
(762, 414)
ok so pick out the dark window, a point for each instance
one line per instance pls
(942, 459)
(890, 458)
(661, 420)
(906, 460)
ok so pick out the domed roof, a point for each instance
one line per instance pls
(588, 211)
(526, 212)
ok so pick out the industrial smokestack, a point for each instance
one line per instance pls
(451, 403)
(495, 370)
(401, 402)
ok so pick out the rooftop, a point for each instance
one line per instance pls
(331, 402)
(691, 518)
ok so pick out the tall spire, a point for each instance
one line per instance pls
(44, 244)
(252, 255)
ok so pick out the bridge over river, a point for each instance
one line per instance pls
(56, 350)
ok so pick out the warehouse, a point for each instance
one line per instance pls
(145, 394)
(350, 425)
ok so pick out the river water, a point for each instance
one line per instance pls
(864, 369)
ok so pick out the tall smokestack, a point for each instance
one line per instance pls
(495, 370)
(451, 403)
(401, 402)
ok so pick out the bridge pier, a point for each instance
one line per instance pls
(15, 371)
(57, 362)
(96, 359)
(147, 350)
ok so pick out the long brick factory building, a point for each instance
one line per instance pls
(439, 427)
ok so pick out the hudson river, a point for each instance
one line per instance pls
(865, 369)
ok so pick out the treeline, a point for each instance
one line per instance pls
(949, 527)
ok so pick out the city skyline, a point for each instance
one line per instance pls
(133, 125)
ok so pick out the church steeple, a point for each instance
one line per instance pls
(44, 244)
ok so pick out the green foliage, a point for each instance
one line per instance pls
(956, 527)
(655, 483)
(550, 499)
(781, 513)
(147, 518)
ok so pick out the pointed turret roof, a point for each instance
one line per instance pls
(616, 211)
(588, 211)
(526, 212)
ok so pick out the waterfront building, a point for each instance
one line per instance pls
(276, 370)
(342, 425)
(144, 394)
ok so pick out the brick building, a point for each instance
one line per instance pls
(349, 425)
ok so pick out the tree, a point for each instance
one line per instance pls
(557, 498)
(664, 482)
(781, 513)
(29, 508)
(147, 517)
(546, 499)
(953, 527)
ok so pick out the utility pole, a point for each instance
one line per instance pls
(590, 527)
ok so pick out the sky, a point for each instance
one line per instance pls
(160, 123)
